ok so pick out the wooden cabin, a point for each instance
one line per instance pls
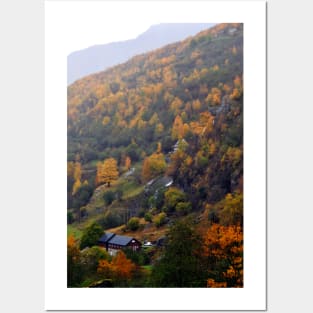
(112, 243)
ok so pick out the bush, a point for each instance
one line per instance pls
(183, 207)
(133, 223)
(110, 219)
(138, 257)
(148, 217)
(91, 235)
(160, 219)
(90, 258)
(172, 197)
(108, 197)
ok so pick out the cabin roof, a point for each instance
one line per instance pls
(106, 237)
(116, 239)
(120, 240)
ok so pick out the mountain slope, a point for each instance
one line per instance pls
(177, 111)
(98, 58)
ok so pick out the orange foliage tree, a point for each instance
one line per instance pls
(214, 98)
(128, 162)
(204, 126)
(224, 252)
(73, 262)
(120, 269)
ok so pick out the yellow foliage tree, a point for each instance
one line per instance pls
(153, 166)
(176, 105)
(238, 89)
(77, 171)
(214, 98)
(196, 105)
(107, 172)
(106, 120)
(77, 174)
(76, 186)
(204, 126)
(178, 128)
(70, 169)
(159, 128)
(154, 119)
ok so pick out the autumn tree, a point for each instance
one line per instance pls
(74, 269)
(172, 197)
(196, 105)
(204, 126)
(76, 186)
(159, 128)
(176, 105)
(214, 97)
(89, 260)
(159, 147)
(180, 167)
(231, 211)
(120, 269)
(178, 128)
(107, 172)
(224, 253)
(153, 166)
(77, 174)
(238, 88)
(159, 220)
(128, 162)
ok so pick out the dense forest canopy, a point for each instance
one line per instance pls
(175, 114)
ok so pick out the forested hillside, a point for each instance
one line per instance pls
(155, 149)
(99, 57)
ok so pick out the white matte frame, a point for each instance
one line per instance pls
(253, 295)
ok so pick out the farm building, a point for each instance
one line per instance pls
(112, 243)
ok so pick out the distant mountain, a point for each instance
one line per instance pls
(100, 57)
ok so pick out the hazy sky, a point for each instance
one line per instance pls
(98, 22)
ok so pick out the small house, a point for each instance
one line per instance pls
(112, 243)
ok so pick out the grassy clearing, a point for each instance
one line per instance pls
(131, 189)
(74, 231)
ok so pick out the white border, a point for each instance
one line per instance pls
(253, 295)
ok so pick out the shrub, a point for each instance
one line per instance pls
(172, 197)
(110, 219)
(108, 197)
(160, 219)
(183, 207)
(148, 217)
(91, 235)
(133, 223)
